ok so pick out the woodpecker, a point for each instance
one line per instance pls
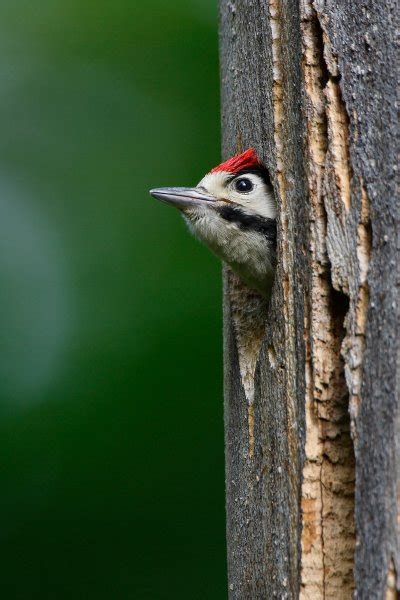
(232, 211)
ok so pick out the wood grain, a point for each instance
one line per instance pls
(312, 460)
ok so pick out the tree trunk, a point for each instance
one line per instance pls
(311, 396)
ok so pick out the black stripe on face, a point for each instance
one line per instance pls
(246, 222)
(261, 171)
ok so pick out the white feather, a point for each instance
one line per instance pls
(248, 252)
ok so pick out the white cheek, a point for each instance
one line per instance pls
(261, 200)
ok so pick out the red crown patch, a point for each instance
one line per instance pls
(246, 160)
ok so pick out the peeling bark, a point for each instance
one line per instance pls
(328, 537)
(311, 381)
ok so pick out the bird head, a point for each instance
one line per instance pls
(232, 210)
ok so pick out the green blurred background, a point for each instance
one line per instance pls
(111, 437)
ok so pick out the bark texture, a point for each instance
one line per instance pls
(312, 380)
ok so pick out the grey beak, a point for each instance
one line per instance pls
(182, 197)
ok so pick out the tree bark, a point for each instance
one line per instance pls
(312, 378)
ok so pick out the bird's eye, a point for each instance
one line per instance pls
(243, 185)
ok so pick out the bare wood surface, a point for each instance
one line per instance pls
(312, 458)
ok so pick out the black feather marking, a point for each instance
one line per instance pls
(247, 222)
(261, 171)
